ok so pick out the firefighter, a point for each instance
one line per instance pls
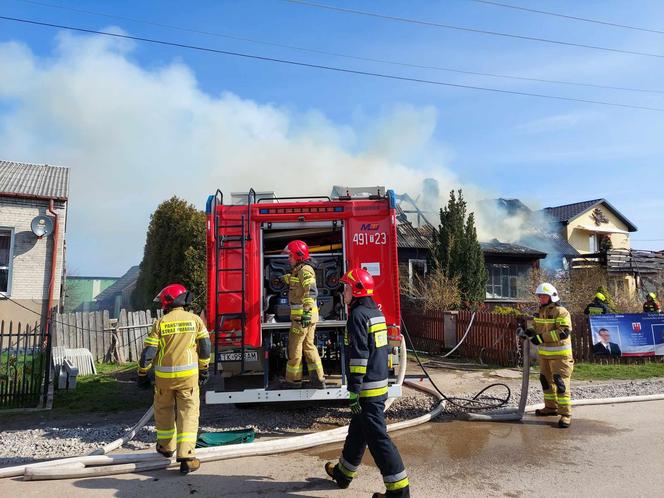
(597, 306)
(178, 348)
(302, 294)
(367, 371)
(551, 332)
(651, 305)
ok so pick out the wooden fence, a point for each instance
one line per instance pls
(492, 338)
(108, 340)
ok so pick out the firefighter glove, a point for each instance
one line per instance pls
(203, 376)
(563, 334)
(143, 381)
(530, 332)
(306, 318)
(536, 339)
(355, 406)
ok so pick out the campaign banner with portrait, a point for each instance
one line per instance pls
(637, 334)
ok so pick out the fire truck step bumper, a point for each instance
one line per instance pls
(268, 396)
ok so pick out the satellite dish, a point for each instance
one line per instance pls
(41, 225)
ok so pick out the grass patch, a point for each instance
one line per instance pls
(594, 371)
(113, 389)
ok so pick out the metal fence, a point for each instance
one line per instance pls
(23, 365)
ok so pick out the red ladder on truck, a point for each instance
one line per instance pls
(233, 240)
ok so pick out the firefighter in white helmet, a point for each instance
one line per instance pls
(178, 348)
(551, 333)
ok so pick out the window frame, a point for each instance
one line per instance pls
(422, 262)
(10, 261)
(504, 276)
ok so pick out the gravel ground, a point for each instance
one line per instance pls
(19, 446)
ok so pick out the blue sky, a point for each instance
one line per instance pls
(545, 152)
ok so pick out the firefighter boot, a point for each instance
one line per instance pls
(189, 465)
(163, 451)
(564, 422)
(342, 481)
(545, 412)
(315, 382)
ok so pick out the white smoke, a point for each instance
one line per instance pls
(134, 136)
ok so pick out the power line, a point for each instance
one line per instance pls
(470, 30)
(566, 16)
(330, 68)
(346, 56)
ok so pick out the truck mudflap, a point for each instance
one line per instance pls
(267, 396)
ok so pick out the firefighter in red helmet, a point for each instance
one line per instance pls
(302, 295)
(178, 348)
(367, 375)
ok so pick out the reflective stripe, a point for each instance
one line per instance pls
(563, 350)
(202, 334)
(178, 368)
(176, 375)
(344, 462)
(377, 319)
(564, 321)
(294, 369)
(357, 369)
(564, 400)
(293, 278)
(377, 328)
(554, 335)
(359, 361)
(544, 320)
(308, 300)
(393, 486)
(184, 437)
(151, 341)
(348, 473)
(538, 339)
(308, 281)
(550, 396)
(395, 477)
(373, 385)
(165, 434)
(203, 362)
(296, 312)
(371, 393)
(295, 306)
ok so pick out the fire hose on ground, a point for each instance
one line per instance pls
(100, 463)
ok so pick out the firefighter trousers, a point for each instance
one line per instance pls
(176, 410)
(368, 429)
(302, 340)
(555, 375)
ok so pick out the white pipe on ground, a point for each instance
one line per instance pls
(118, 464)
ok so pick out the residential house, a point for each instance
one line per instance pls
(601, 235)
(31, 258)
(508, 269)
(118, 295)
(80, 292)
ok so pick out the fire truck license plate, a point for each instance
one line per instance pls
(237, 355)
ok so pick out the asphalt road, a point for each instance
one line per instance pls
(614, 450)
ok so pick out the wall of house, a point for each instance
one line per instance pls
(31, 259)
(80, 292)
(580, 228)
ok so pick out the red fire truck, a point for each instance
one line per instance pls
(247, 303)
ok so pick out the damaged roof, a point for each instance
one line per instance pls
(410, 237)
(34, 180)
(496, 247)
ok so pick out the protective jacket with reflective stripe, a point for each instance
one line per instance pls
(366, 350)
(302, 291)
(554, 326)
(179, 345)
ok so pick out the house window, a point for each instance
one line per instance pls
(417, 270)
(6, 248)
(504, 281)
(592, 243)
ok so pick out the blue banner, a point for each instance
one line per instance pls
(637, 334)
